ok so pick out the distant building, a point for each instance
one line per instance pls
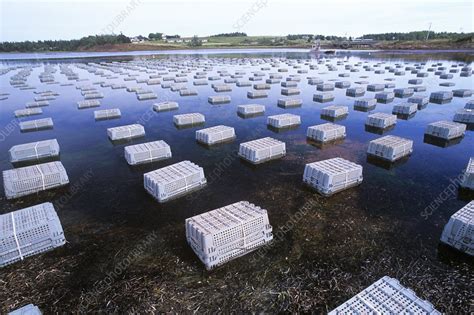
(184, 39)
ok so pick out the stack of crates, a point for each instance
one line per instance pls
(188, 119)
(37, 124)
(32, 179)
(390, 148)
(34, 151)
(326, 132)
(229, 232)
(28, 232)
(381, 120)
(468, 176)
(332, 175)
(283, 121)
(126, 132)
(445, 130)
(165, 106)
(174, 181)
(214, 135)
(386, 296)
(147, 152)
(459, 231)
(107, 114)
(262, 150)
(251, 109)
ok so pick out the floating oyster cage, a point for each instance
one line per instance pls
(147, 152)
(219, 99)
(441, 97)
(404, 92)
(289, 102)
(88, 104)
(459, 230)
(107, 114)
(146, 96)
(28, 180)
(385, 97)
(386, 296)
(250, 110)
(323, 97)
(189, 119)
(326, 132)
(365, 104)
(174, 181)
(332, 175)
(226, 233)
(468, 176)
(36, 104)
(405, 109)
(335, 111)
(165, 106)
(381, 120)
(28, 112)
(283, 120)
(34, 151)
(215, 135)
(355, 92)
(262, 150)
(420, 100)
(375, 87)
(445, 130)
(290, 91)
(465, 116)
(29, 231)
(29, 309)
(187, 92)
(390, 148)
(462, 93)
(38, 124)
(257, 94)
(126, 132)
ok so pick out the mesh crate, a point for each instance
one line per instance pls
(91, 96)
(29, 309)
(257, 94)
(441, 97)
(365, 103)
(385, 97)
(174, 181)
(323, 97)
(290, 91)
(146, 96)
(283, 120)
(419, 100)
(404, 92)
(355, 91)
(187, 92)
(214, 135)
(343, 84)
(445, 130)
(468, 176)
(29, 231)
(325, 87)
(375, 87)
(34, 151)
(462, 93)
(335, 111)
(262, 150)
(465, 116)
(219, 99)
(229, 232)
(459, 231)
(390, 148)
(28, 112)
(165, 106)
(37, 124)
(147, 152)
(262, 86)
(107, 114)
(251, 109)
(381, 120)
(332, 175)
(326, 132)
(290, 102)
(469, 105)
(126, 132)
(31, 179)
(386, 296)
(36, 104)
(88, 104)
(405, 109)
(188, 119)
(200, 82)
(244, 83)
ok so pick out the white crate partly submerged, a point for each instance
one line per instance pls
(165, 106)
(34, 151)
(262, 150)
(28, 112)
(390, 148)
(38, 124)
(459, 231)
(283, 121)
(174, 181)
(28, 232)
(386, 296)
(147, 152)
(446, 130)
(465, 116)
(326, 132)
(468, 175)
(332, 175)
(214, 135)
(335, 111)
(219, 99)
(88, 104)
(229, 232)
(126, 132)
(406, 109)
(251, 109)
(188, 119)
(289, 102)
(32, 179)
(29, 309)
(381, 120)
(107, 114)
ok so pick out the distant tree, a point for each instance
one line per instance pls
(173, 36)
(155, 36)
(195, 41)
(234, 34)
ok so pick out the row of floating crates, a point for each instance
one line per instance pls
(126, 132)
(32, 179)
(262, 150)
(214, 135)
(34, 151)
(147, 152)
(29, 231)
(229, 232)
(175, 180)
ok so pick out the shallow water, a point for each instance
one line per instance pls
(109, 212)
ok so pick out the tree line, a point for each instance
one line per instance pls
(419, 35)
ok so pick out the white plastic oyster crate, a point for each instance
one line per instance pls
(28, 112)
(257, 94)
(441, 97)
(420, 100)
(188, 119)
(251, 109)
(290, 102)
(29, 309)
(355, 91)
(465, 116)
(326, 132)
(146, 96)
(174, 181)
(365, 103)
(36, 104)
(446, 130)
(283, 120)
(88, 104)
(31, 179)
(381, 120)
(165, 106)
(468, 176)
(37, 124)
(147, 152)
(262, 150)
(405, 109)
(335, 111)
(214, 135)
(107, 114)
(29, 231)
(323, 97)
(219, 99)
(34, 151)
(229, 232)
(126, 132)
(290, 91)
(384, 97)
(386, 296)
(332, 175)
(459, 231)
(469, 105)
(390, 148)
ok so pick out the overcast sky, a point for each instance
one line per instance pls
(52, 19)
